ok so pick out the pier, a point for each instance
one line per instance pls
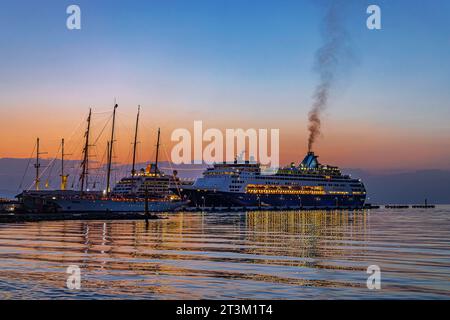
(270, 208)
(425, 205)
(414, 206)
(36, 217)
(396, 206)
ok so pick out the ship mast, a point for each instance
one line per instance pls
(85, 163)
(157, 151)
(63, 176)
(110, 151)
(37, 165)
(133, 169)
(108, 146)
(63, 185)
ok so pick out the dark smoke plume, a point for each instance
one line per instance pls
(331, 55)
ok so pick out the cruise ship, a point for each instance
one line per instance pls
(150, 180)
(309, 185)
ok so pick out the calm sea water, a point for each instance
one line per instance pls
(255, 255)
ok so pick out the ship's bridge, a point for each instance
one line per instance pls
(233, 168)
(311, 165)
(310, 161)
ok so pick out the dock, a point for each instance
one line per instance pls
(396, 206)
(371, 206)
(267, 208)
(424, 206)
(415, 206)
(36, 217)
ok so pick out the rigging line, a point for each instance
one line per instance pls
(76, 170)
(50, 164)
(101, 165)
(127, 115)
(70, 139)
(53, 164)
(26, 169)
(120, 127)
(123, 123)
(49, 178)
(73, 152)
(74, 159)
(41, 175)
(147, 127)
(138, 153)
(130, 137)
(101, 132)
(170, 164)
(122, 168)
(102, 112)
(153, 152)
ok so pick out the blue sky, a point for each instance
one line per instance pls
(211, 59)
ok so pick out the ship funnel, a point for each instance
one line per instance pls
(310, 161)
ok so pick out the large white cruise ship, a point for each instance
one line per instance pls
(308, 185)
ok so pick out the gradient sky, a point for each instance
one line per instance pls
(230, 63)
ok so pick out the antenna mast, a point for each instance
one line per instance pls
(133, 169)
(108, 176)
(85, 163)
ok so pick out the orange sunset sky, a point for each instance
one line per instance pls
(367, 145)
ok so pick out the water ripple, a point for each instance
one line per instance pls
(255, 255)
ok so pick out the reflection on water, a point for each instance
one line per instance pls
(280, 255)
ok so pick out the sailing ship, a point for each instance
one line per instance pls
(144, 190)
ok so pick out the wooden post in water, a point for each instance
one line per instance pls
(146, 204)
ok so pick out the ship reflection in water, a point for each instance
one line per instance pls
(261, 255)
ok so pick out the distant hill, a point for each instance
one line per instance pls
(400, 188)
(406, 187)
(18, 174)
(12, 173)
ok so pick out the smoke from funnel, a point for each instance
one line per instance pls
(329, 57)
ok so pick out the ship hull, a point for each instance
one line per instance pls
(99, 205)
(207, 198)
